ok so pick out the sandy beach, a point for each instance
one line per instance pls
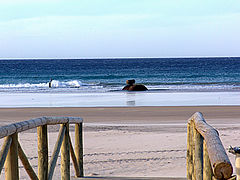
(129, 141)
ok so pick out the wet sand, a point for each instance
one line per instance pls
(156, 115)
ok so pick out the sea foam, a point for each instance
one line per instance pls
(54, 83)
(72, 84)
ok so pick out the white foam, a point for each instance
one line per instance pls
(26, 85)
(54, 83)
(74, 83)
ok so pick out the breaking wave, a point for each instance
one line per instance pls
(54, 84)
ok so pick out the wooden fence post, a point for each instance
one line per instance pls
(65, 155)
(26, 164)
(193, 150)
(198, 160)
(4, 151)
(207, 168)
(74, 159)
(79, 147)
(189, 152)
(55, 152)
(42, 152)
(11, 164)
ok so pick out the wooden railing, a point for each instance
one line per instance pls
(11, 149)
(206, 156)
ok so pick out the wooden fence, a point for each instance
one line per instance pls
(206, 156)
(11, 148)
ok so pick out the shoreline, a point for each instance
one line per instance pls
(119, 99)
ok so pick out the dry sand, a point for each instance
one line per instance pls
(129, 141)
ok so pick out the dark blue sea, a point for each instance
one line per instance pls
(105, 75)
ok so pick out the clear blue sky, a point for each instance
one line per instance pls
(119, 28)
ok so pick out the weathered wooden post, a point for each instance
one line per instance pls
(26, 164)
(79, 147)
(42, 152)
(65, 155)
(198, 160)
(4, 151)
(74, 159)
(189, 152)
(56, 151)
(207, 169)
(11, 164)
(192, 129)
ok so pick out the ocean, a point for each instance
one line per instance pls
(99, 79)
(106, 75)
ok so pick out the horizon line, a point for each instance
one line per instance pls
(82, 58)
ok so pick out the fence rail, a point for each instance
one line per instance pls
(206, 156)
(11, 148)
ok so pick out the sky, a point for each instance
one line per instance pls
(119, 28)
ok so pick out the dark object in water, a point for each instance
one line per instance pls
(134, 87)
(50, 83)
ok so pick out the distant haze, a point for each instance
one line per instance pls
(119, 28)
